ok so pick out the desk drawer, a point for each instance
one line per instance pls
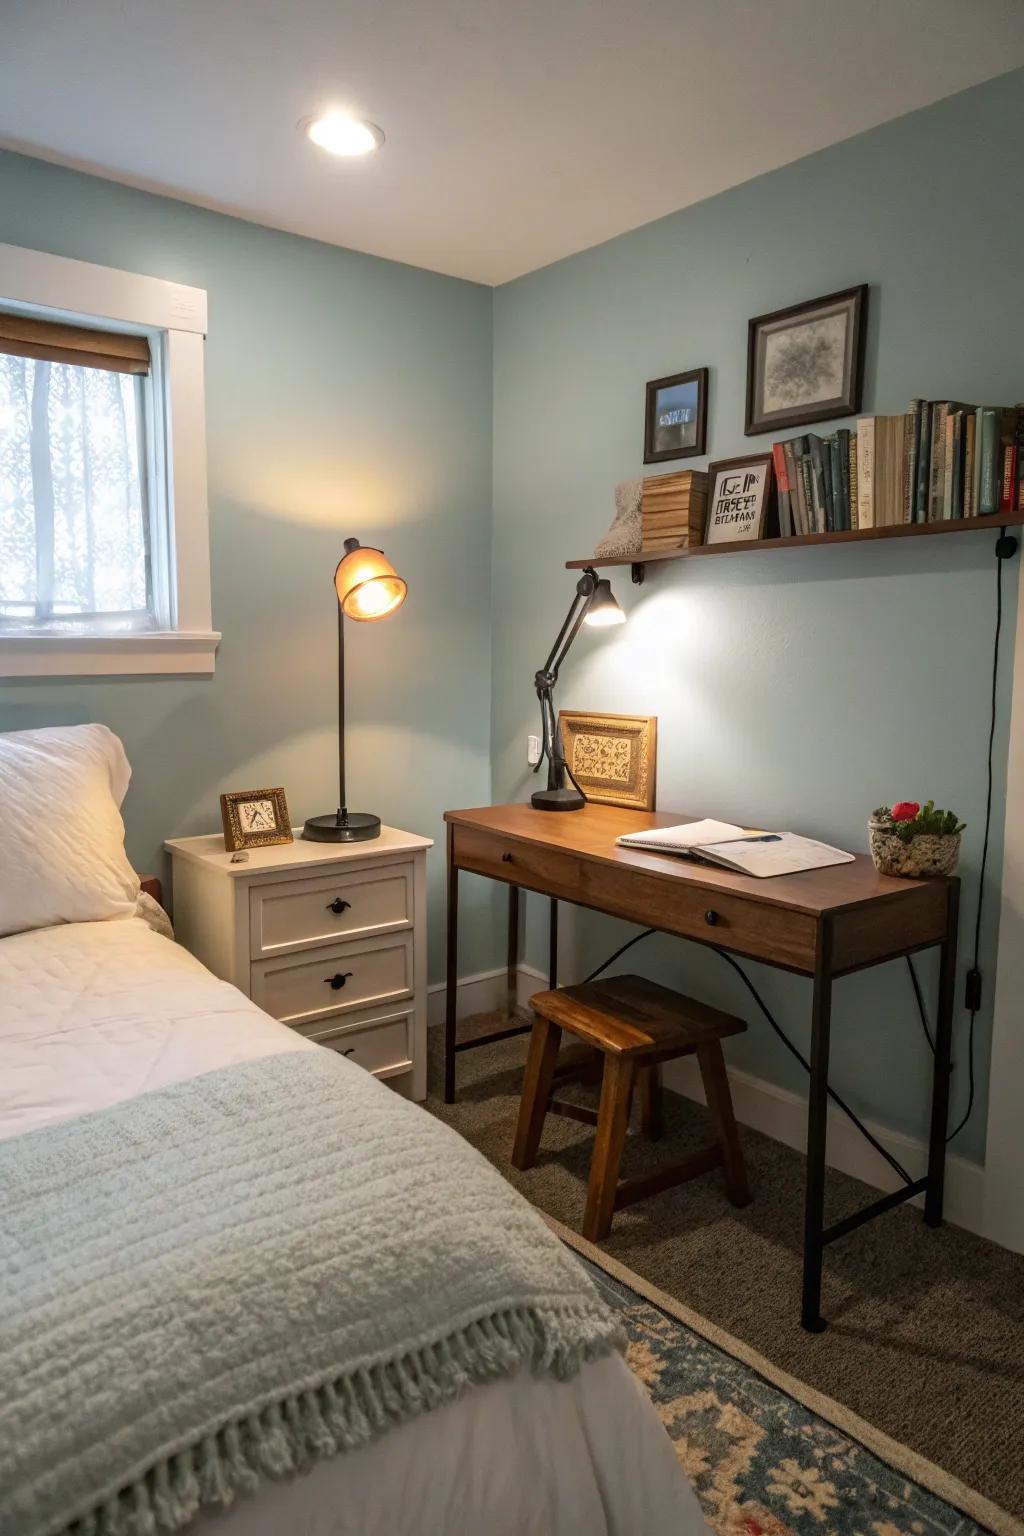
(294, 914)
(765, 932)
(297, 988)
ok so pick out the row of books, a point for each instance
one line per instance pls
(940, 460)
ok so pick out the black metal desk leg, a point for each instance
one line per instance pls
(940, 1079)
(451, 975)
(817, 1124)
(512, 975)
(553, 947)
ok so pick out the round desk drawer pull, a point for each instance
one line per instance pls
(337, 982)
(711, 917)
(337, 906)
(506, 858)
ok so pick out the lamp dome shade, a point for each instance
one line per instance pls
(367, 584)
(604, 609)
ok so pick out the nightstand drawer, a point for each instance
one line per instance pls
(335, 979)
(383, 1047)
(296, 914)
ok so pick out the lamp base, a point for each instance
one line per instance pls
(557, 800)
(342, 827)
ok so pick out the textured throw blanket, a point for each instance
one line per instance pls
(227, 1280)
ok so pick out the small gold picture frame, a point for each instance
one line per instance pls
(255, 818)
(613, 757)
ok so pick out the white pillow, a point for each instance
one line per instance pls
(62, 857)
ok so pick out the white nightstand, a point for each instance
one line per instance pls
(329, 938)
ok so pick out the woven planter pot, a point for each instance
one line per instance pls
(926, 854)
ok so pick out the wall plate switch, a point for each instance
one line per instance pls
(533, 750)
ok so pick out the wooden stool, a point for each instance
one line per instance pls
(628, 1027)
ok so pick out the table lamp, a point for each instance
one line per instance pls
(595, 604)
(368, 588)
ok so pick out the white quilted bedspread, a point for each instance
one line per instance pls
(93, 1013)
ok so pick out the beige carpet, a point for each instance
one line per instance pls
(926, 1336)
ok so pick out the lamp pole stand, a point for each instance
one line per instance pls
(344, 826)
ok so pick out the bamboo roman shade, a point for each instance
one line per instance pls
(51, 342)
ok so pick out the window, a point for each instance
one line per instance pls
(104, 560)
(76, 535)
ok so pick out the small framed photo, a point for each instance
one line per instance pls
(739, 499)
(613, 757)
(675, 426)
(806, 363)
(255, 818)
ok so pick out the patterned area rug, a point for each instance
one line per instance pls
(767, 1455)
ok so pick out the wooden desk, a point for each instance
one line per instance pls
(822, 924)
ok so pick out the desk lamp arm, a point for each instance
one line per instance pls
(546, 678)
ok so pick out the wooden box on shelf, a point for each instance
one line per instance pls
(673, 508)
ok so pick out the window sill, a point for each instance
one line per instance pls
(178, 653)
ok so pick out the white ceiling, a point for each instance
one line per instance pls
(518, 131)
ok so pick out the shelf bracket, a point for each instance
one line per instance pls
(636, 572)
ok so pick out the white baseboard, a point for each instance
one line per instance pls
(483, 993)
(774, 1111)
(781, 1114)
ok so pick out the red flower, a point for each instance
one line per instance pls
(905, 810)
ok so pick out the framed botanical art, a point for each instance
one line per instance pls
(255, 818)
(675, 422)
(612, 757)
(739, 499)
(806, 363)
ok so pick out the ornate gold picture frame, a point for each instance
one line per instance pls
(255, 818)
(613, 756)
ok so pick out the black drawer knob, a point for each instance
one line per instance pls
(711, 916)
(337, 982)
(350, 1052)
(337, 906)
(506, 858)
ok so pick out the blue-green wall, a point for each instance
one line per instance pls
(796, 689)
(345, 395)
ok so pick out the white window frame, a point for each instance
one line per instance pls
(173, 316)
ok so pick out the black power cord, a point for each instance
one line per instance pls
(612, 958)
(1006, 547)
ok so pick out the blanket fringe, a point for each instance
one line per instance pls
(289, 1436)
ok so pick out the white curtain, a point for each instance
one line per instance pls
(73, 526)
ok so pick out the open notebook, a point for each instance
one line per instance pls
(749, 853)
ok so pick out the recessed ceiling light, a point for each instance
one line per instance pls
(340, 134)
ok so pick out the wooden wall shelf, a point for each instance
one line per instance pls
(642, 557)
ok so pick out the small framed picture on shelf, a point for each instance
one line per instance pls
(806, 363)
(613, 757)
(739, 499)
(255, 818)
(675, 424)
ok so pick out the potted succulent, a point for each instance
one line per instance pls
(914, 840)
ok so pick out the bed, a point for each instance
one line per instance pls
(98, 1018)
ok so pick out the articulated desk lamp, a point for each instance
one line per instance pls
(368, 588)
(595, 604)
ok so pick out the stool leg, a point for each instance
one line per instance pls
(612, 1121)
(651, 1119)
(537, 1080)
(716, 1088)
